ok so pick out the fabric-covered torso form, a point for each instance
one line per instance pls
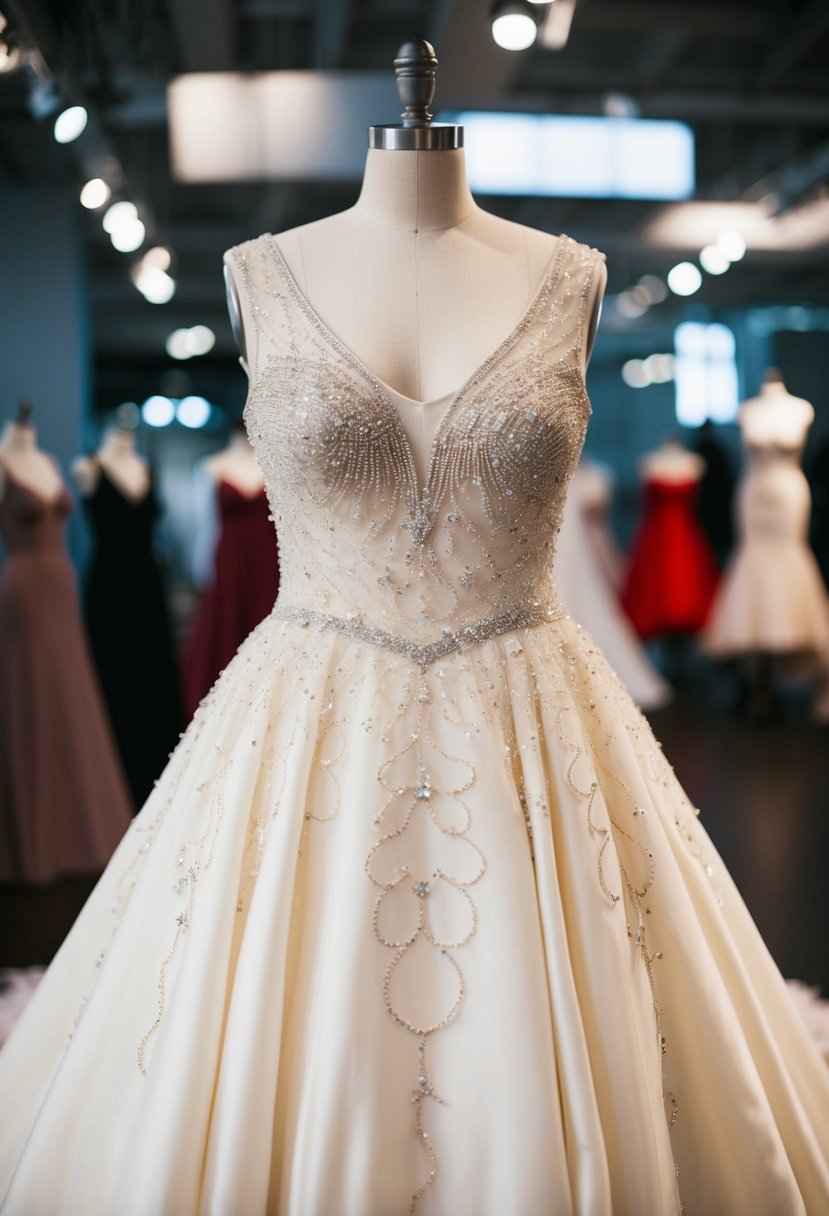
(447, 548)
(418, 919)
(63, 803)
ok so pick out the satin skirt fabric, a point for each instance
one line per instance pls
(387, 940)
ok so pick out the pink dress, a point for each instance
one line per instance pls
(63, 802)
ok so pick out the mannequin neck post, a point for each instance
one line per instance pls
(415, 191)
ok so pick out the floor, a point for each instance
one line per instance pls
(763, 792)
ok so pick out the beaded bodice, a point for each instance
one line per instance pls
(427, 560)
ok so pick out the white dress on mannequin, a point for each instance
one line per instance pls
(772, 599)
(418, 919)
(583, 578)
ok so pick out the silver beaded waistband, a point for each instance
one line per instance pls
(423, 655)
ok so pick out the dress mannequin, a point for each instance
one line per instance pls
(63, 804)
(772, 601)
(25, 461)
(398, 276)
(121, 462)
(416, 836)
(127, 619)
(673, 573)
(671, 462)
(237, 465)
(244, 568)
(587, 580)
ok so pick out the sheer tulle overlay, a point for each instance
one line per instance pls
(418, 918)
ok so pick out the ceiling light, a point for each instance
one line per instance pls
(684, 279)
(177, 345)
(128, 237)
(732, 244)
(158, 411)
(9, 58)
(189, 343)
(118, 215)
(660, 368)
(619, 105)
(193, 412)
(159, 257)
(631, 304)
(555, 28)
(513, 26)
(635, 374)
(202, 339)
(156, 286)
(654, 288)
(69, 124)
(713, 260)
(95, 193)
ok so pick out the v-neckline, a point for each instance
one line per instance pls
(129, 499)
(51, 501)
(421, 494)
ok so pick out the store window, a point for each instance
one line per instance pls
(705, 373)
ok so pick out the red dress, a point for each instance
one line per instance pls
(245, 583)
(673, 574)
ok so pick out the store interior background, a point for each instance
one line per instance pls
(79, 339)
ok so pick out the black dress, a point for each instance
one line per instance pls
(130, 634)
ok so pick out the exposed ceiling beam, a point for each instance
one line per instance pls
(331, 33)
(751, 22)
(658, 54)
(813, 24)
(204, 34)
(470, 63)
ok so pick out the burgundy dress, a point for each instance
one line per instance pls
(673, 574)
(63, 801)
(245, 583)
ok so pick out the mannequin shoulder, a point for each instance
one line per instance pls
(85, 471)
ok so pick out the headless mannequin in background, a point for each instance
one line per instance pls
(773, 604)
(25, 461)
(237, 465)
(417, 281)
(125, 467)
(775, 417)
(671, 462)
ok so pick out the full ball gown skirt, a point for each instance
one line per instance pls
(131, 634)
(416, 920)
(244, 587)
(63, 801)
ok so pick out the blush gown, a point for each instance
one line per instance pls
(245, 585)
(63, 802)
(673, 574)
(418, 918)
(130, 632)
(772, 599)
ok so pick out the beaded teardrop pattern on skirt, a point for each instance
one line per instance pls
(418, 918)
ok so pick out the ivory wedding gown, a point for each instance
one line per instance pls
(418, 918)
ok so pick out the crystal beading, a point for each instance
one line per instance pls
(425, 655)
